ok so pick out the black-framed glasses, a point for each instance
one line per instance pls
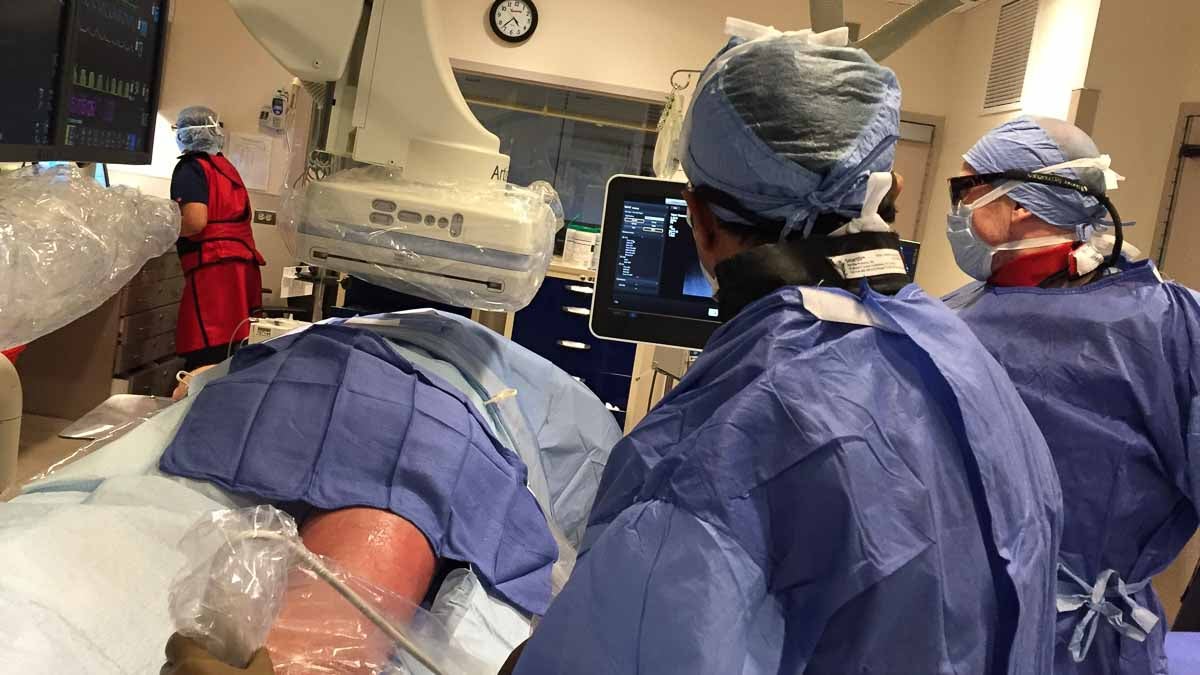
(961, 186)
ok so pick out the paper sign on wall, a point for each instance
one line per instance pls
(251, 154)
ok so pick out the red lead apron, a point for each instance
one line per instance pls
(223, 283)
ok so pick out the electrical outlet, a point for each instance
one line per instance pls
(264, 217)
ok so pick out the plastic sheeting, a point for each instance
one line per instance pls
(67, 244)
(246, 565)
(483, 246)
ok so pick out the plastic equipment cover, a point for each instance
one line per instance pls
(67, 244)
(244, 565)
(483, 246)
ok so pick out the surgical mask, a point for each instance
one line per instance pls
(975, 256)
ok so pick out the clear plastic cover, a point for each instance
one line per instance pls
(250, 583)
(67, 244)
(483, 246)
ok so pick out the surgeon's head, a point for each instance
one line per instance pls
(780, 140)
(998, 213)
(199, 129)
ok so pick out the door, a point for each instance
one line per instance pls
(1177, 259)
(1181, 245)
(913, 155)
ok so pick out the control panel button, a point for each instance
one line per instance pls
(382, 219)
(383, 205)
(409, 217)
(429, 221)
(456, 225)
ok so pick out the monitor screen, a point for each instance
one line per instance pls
(87, 88)
(911, 252)
(30, 37)
(650, 286)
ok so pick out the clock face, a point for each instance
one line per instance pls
(514, 20)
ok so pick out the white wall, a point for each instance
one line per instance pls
(1058, 60)
(637, 43)
(1145, 63)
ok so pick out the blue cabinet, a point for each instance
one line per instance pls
(555, 326)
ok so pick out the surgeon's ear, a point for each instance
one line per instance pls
(1021, 215)
(704, 223)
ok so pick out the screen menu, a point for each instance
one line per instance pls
(30, 35)
(657, 268)
(111, 79)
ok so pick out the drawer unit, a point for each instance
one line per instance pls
(555, 326)
(135, 353)
(156, 379)
(149, 323)
(139, 298)
(165, 266)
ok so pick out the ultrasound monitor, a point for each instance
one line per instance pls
(81, 79)
(650, 286)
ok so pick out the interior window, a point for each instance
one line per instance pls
(575, 140)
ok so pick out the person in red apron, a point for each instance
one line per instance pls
(223, 283)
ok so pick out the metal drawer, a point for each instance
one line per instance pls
(143, 297)
(156, 379)
(137, 353)
(149, 323)
(165, 266)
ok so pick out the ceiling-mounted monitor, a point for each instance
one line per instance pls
(81, 79)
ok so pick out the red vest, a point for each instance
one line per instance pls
(223, 285)
(229, 235)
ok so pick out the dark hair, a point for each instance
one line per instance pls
(769, 232)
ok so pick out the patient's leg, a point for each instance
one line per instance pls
(318, 628)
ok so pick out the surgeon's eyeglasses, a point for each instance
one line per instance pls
(961, 186)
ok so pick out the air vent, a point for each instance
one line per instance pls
(1010, 55)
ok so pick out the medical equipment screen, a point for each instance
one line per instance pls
(86, 84)
(650, 286)
(112, 76)
(657, 267)
(30, 49)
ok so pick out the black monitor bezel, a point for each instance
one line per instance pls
(669, 331)
(58, 150)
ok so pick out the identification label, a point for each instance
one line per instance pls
(869, 263)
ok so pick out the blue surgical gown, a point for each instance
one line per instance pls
(1111, 373)
(859, 493)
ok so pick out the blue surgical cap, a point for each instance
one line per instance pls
(195, 130)
(791, 129)
(1032, 143)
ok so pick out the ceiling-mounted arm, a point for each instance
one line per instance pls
(826, 15)
(896, 33)
(403, 108)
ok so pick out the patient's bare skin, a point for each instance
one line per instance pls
(374, 546)
(181, 390)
